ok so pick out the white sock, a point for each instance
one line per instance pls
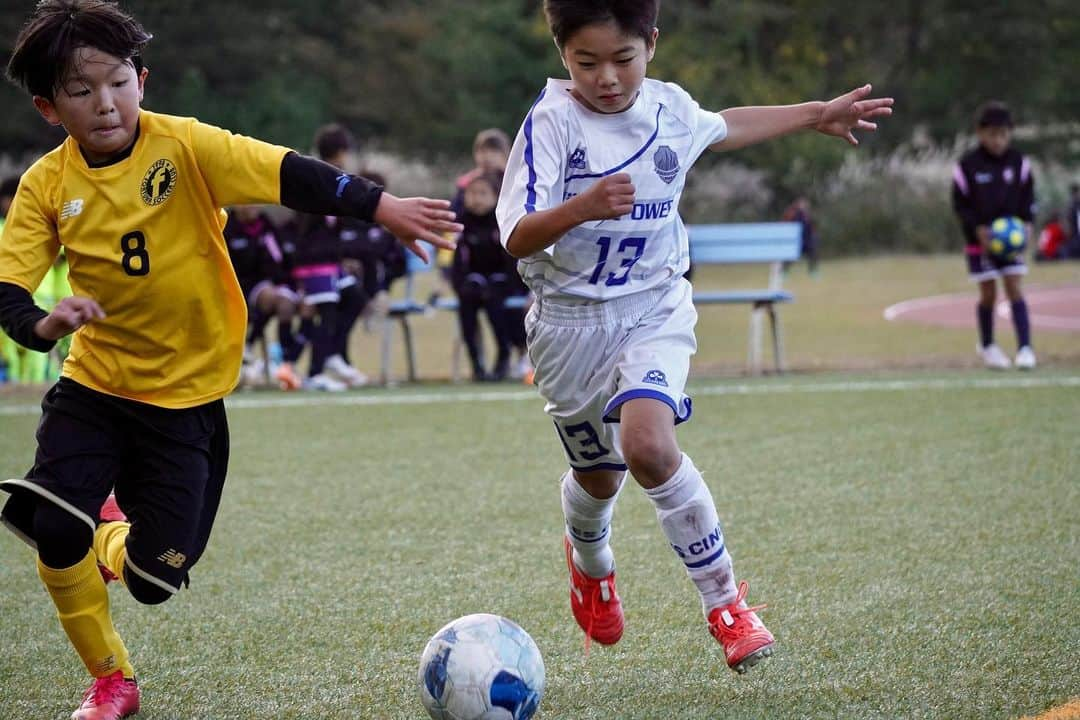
(588, 527)
(688, 517)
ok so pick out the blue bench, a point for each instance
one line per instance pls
(401, 310)
(772, 243)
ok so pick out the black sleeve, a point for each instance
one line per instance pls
(19, 314)
(312, 186)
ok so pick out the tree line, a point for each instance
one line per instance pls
(419, 77)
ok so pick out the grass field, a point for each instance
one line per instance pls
(912, 522)
(916, 536)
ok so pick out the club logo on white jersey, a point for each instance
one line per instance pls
(655, 377)
(71, 208)
(576, 161)
(666, 163)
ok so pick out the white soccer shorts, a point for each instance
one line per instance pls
(590, 359)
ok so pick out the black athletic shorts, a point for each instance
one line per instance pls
(167, 468)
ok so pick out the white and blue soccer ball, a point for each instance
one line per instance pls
(481, 667)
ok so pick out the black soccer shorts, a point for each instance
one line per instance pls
(167, 468)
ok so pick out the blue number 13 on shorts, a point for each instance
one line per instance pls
(636, 244)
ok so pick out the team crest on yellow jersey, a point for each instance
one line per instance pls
(159, 182)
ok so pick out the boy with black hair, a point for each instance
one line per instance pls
(479, 276)
(135, 199)
(332, 297)
(993, 181)
(590, 206)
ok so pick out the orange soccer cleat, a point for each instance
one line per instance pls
(595, 603)
(745, 639)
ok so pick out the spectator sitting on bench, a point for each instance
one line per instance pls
(479, 274)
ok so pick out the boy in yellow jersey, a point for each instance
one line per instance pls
(135, 199)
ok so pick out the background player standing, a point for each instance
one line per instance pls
(590, 205)
(993, 181)
(135, 199)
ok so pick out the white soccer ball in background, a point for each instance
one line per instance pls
(481, 667)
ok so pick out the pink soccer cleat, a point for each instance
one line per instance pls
(737, 628)
(595, 603)
(109, 698)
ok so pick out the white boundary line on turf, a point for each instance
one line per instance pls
(1002, 309)
(763, 388)
(905, 306)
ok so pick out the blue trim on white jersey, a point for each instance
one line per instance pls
(614, 403)
(530, 187)
(634, 157)
(702, 563)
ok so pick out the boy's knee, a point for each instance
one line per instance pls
(62, 539)
(651, 457)
(143, 590)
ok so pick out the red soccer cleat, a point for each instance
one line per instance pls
(109, 698)
(595, 603)
(110, 512)
(745, 639)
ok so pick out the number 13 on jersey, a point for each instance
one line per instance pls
(628, 251)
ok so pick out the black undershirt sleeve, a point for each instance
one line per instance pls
(313, 186)
(19, 314)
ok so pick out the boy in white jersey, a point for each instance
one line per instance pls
(590, 206)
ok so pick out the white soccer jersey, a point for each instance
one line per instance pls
(563, 147)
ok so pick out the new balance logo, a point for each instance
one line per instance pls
(172, 558)
(71, 208)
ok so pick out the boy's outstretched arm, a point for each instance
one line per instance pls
(316, 187)
(839, 116)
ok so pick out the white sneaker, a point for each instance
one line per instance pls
(324, 382)
(1025, 358)
(253, 374)
(337, 368)
(994, 358)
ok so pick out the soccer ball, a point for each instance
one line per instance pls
(1008, 238)
(481, 667)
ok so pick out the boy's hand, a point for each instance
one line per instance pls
(982, 233)
(609, 198)
(412, 219)
(852, 111)
(69, 315)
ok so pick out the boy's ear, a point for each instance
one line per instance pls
(47, 110)
(142, 81)
(651, 45)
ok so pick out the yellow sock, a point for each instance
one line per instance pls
(110, 546)
(82, 604)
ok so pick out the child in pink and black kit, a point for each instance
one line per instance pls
(994, 181)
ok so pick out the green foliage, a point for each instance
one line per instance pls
(419, 77)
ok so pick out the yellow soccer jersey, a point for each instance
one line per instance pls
(143, 238)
